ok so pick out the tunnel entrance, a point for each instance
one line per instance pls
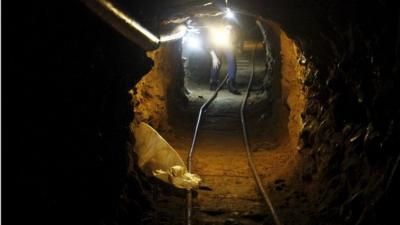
(169, 97)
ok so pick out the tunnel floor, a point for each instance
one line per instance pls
(220, 160)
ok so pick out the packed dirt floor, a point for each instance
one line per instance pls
(220, 160)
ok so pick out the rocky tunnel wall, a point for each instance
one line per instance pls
(161, 90)
(351, 128)
(274, 115)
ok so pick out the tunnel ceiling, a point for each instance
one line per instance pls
(292, 15)
(160, 10)
(299, 16)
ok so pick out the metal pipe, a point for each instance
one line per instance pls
(124, 24)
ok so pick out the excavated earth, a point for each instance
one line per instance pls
(232, 196)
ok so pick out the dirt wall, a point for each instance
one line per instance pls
(153, 94)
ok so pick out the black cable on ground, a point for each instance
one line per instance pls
(191, 151)
(248, 152)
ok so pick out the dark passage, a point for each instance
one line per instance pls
(323, 117)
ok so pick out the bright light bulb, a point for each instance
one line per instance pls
(220, 37)
(229, 14)
(193, 42)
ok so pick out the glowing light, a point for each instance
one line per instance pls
(229, 14)
(193, 42)
(221, 36)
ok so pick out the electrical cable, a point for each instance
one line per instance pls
(248, 152)
(203, 108)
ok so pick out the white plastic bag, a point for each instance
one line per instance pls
(157, 158)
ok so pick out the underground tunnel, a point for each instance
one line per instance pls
(102, 103)
(171, 106)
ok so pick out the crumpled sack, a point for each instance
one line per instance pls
(179, 177)
(157, 158)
